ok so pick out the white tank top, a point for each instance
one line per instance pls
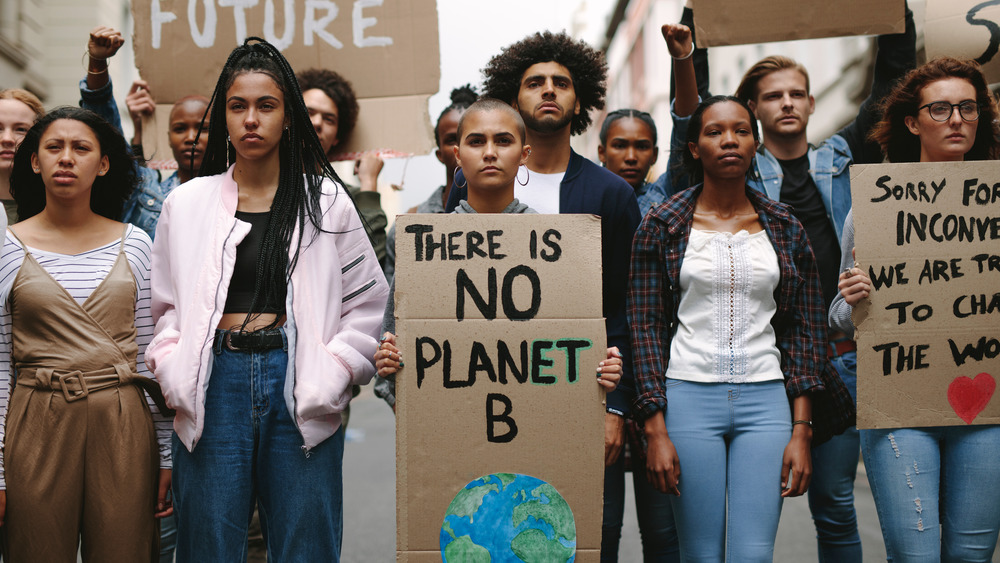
(724, 332)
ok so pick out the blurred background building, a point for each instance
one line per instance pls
(42, 46)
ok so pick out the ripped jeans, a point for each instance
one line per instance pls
(937, 491)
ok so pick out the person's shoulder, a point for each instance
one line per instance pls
(770, 207)
(12, 249)
(197, 189)
(603, 179)
(137, 237)
(838, 144)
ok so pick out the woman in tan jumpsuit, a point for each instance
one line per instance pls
(81, 458)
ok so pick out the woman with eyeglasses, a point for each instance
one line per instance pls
(936, 489)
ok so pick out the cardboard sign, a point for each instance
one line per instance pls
(387, 50)
(724, 22)
(964, 29)
(928, 235)
(499, 418)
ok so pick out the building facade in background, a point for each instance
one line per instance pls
(43, 42)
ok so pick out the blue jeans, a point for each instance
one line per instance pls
(937, 491)
(831, 493)
(251, 452)
(656, 519)
(168, 538)
(730, 440)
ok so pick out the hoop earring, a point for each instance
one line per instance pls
(527, 176)
(466, 184)
(229, 143)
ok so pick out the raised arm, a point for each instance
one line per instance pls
(896, 55)
(95, 89)
(680, 44)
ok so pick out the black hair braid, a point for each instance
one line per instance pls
(303, 165)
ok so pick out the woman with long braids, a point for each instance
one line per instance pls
(268, 299)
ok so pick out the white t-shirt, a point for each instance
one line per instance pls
(724, 332)
(541, 192)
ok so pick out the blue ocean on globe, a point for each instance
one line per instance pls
(508, 517)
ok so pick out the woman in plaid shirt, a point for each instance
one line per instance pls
(729, 329)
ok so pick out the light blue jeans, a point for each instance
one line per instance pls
(937, 491)
(730, 440)
(251, 452)
(831, 493)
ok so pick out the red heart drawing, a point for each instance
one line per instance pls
(970, 396)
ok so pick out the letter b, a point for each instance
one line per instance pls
(504, 418)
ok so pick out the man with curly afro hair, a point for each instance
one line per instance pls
(554, 82)
(333, 109)
(585, 65)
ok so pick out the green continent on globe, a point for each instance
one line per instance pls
(468, 500)
(555, 512)
(506, 478)
(462, 549)
(532, 545)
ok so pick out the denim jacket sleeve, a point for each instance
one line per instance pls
(101, 102)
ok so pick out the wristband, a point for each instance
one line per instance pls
(808, 423)
(685, 57)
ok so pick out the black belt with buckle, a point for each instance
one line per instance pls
(250, 341)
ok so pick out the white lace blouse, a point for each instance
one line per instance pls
(724, 332)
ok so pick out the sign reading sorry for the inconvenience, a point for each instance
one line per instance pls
(928, 235)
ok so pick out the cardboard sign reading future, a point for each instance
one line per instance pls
(724, 22)
(388, 50)
(928, 235)
(964, 29)
(499, 418)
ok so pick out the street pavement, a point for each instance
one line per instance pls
(370, 506)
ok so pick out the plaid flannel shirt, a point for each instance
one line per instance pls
(799, 323)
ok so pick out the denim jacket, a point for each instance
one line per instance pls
(829, 166)
(142, 208)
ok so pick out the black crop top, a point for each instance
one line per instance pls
(241, 285)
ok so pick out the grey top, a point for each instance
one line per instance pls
(840, 311)
(385, 387)
(514, 207)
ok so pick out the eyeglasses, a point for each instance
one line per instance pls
(942, 111)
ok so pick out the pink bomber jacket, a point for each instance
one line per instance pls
(334, 305)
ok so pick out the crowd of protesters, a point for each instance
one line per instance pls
(178, 354)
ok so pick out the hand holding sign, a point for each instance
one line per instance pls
(501, 324)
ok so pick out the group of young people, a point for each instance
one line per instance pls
(207, 372)
(739, 305)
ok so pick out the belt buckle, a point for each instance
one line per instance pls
(84, 391)
(228, 342)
